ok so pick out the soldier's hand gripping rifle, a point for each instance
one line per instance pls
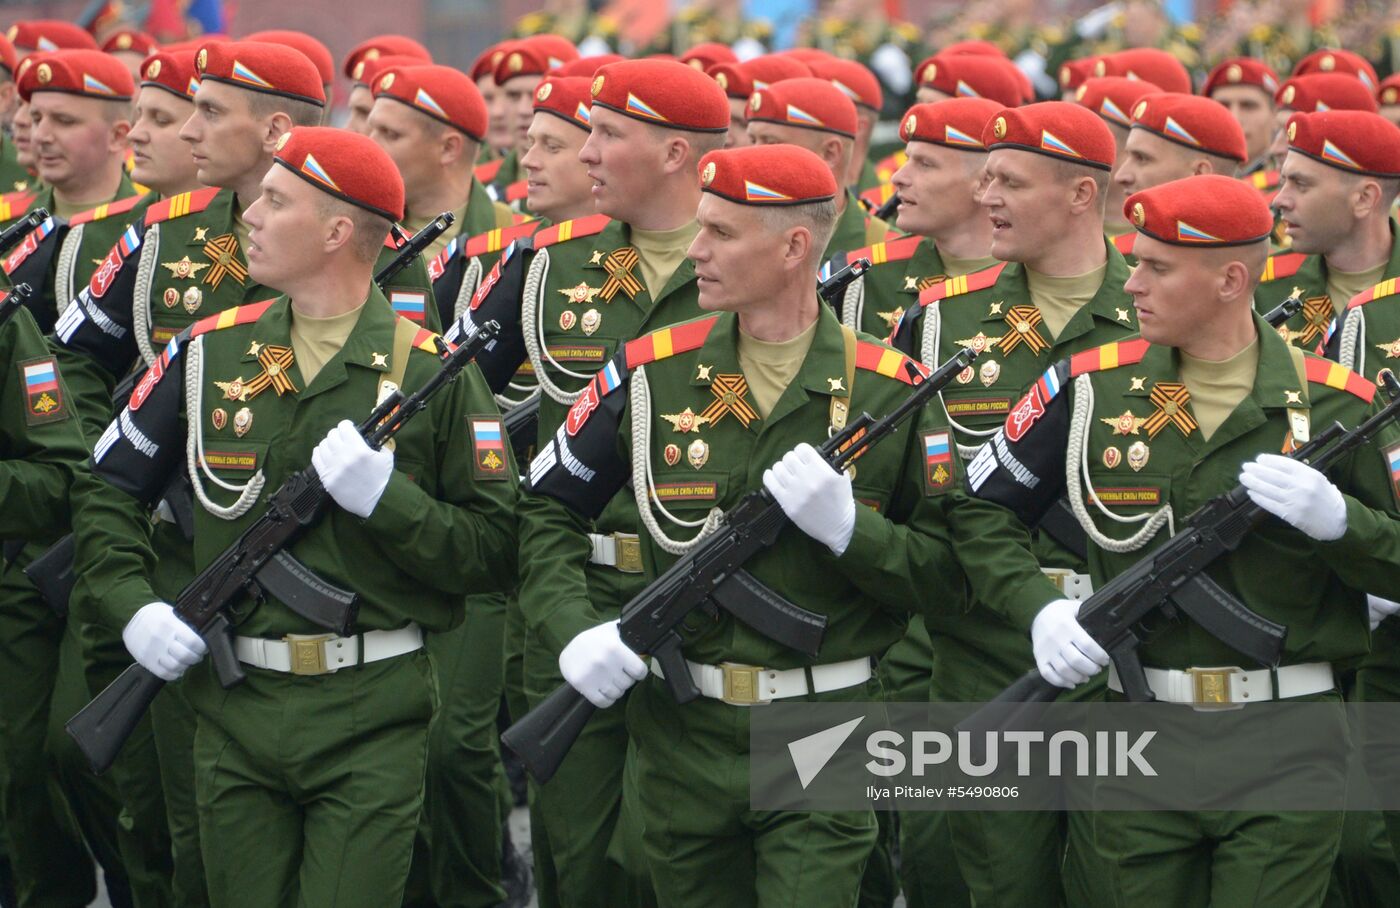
(709, 577)
(258, 564)
(1171, 579)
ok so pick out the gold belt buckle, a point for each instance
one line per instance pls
(1057, 576)
(1210, 688)
(629, 553)
(308, 653)
(741, 684)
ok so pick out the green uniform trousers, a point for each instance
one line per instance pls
(309, 788)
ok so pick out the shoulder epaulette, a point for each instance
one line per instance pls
(237, 315)
(1264, 179)
(887, 362)
(1380, 291)
(669, 341)
(486, 173)
(884, 170)
(896, 250)
(425, 340)
(1285, 264)
(963, 283)
(106, 210)
(1124, 242)
(177, 206)
(14, 204)
(571, 230)
(514, 192)
(499, 238)
(1334, 375)
(1109, 356)
(874, 198)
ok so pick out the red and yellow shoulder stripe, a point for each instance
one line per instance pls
(177, 206)
(486, 173)
(106, 210)
(236, 315)
(1334, 375)
(1109, 356)
(1264, 180)
(571, 230)
(889, 363)
(1285, 264)
(1124, 242)
(963, 283)
(514, 192)
(669, 341)
(14, 204)
(1383, 289)
(896, 250)
(874, 198)
(425, 340)
(884, 170)
(500, 238)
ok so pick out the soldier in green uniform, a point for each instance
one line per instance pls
(741, 80)
(859, 84)
(517, 75)
(1059, 290)
(14, 177)
(1114, 98)
(1207, 398)
(733, 394)
(309, 774)
(360, 67)
(1246, 89)
(1314, 92)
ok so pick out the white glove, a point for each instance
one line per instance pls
(163, 644)
(1380, 609)
(814, 496)
(1297, 494)
(599, 665)
(1064, 652)
(354, 473)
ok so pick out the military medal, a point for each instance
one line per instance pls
(275, 361)
(222, 252)
(619, 264)
(685, 421)
(1137, 455)
(989, 372)
(219, 418)
(242, 422)
(1317, 310)
(967, 375)
(1391, 350)
(1112, 457)
(891, 318)
(978, 342)
(698, 453)
(1170, 398)
(171, 297)
(581, 294)
(1022, 322)
(1127, 424)
(233, 390)
(567, 320)
(729, 391)
(184, 269)
(591, 321)
(672, 455)
(193, 297)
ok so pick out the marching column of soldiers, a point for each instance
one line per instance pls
(239, 489)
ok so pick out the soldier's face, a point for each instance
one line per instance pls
(831, 148)
(739, 260)
(22, 128)
(361, 102)
(1317, 204)
(159, 158)
(556, 183)
(224, 137)
(1176, 290)
(1148, 160)
(519, 103)
(498, 118)
(287, 227)
(937, 188)
(927, 94)
(624, 159)
(1027, 201)
(1279, 145)
(75, 138)
(1253, 109)
(408, 138)
(738, 135)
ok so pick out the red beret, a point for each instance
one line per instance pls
(1325, 91)
(383, 46)
(49, 34)
(557, 49)
(971, 76)
(767, 175)
(521, 59)
(447, 95)
(130, 39)
(1146, 63)
(1355, 141)
(740, 80)
(956, 122)
(587, 66)
(807, 55)
(1054, 128)
(706, 54)
(1390, 90)
(855, 79)
(89, 73)
(347, 165)
(173, 72)
(974, 47)
(8, 58)
(662, 92)
(193, 45)
(315, 51)
(1209, 210)
(809, 103)
(1192, 121)
(371, 70)
(1241, 71)
(1073, 73)
(1336, 60)
(1113, 97)
(485, 64)
(566, 97)
(273, 69)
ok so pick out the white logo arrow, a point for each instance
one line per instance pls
(811, 754)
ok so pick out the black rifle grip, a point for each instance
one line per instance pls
(102, 727)
(543, 736)
(219, 638)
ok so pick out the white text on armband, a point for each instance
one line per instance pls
(576, 467)
(135, 436)
(1018, 470)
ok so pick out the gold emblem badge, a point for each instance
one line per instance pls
(698, 454)
(386, 82)
(685, 421)
(702, 372)
(356, 73)
(721, 80)
(200, 233)
(1137, 455)
(592, 320)
(171, 297)
(1233, 73)
(1100, 69)
(242, 422)
(995, 308)
(1122, 314)
(910, 125)
(1289, 93)
(708, 176)
(672, 455)
(891, 318)
(989, 372)
(192, 298)
(1391, 350)
(44, 74)
(1390, 96)
(202, 60)
(379, 361)
(515, 63)
(1137, 383)
(1139, 110)
(978, 342)
(1126, 424)
(998, 127)
(545, 90)
(153, 70)
(580, 294)
(1112, 457)
(219, 418)
(233, 390)
(967, 375)
(597, 87)
(1139, 214)
(930, 72)
(1327, 63)
(755, 102)
(567, 320)
(184, 269)
(282, 141)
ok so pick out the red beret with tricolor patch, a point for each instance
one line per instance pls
(273, 69)
(854, 79)
(587, 66)
(1058, 129)
(347, 165)
(1325, 91)
(567, 97)
(89, 73)
(1241, 71)
(8, 58)
(383, 46)
(49, 35)
(447, 95)
(130, 39)
(740, 80)
(485, 64)
(971, 76)
(663, 93)
(1074, 73)
(1191, 121)
(808, 103)
(371, 70)
(955, 122)
(1113, 97)
(173, 72)
(706, 54)
(1146, 63)
(1390, 90)
(520, 58)
(1209, 210)
(767, 175)
(1336, 60)
(1355, 141)
(315, 51)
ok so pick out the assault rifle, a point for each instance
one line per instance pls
(19, 295)
(414, 247)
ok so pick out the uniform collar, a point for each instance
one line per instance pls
(370, 345)
(1110, 303)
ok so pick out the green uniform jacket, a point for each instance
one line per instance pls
(16, 205)
(443, 528)
(897, 560)
(1143, 454)
(855, 229)
(474, 245)
(14, 177)
(899, 270)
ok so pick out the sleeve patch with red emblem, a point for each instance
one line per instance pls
(938, 462)
(1392, 468)
(43, 397)
(489, 459)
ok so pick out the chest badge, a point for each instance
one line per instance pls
(1021, 323)
(223, 255)
(672, 454)
(171, 297)
(219, 418)
(184, 269)
(729, 392)
(1138, 454)
(233, 390)
(580, 294)
(891, 318)
(1391, 350)
(685, 421)
(1170, 398)
(275, 361)
(1112, 457)
(698, 454)
(989, 372)
(1127, 424)
(979, 342)
(192, 298)
(619, 264)
(592, 320)
(242, 422)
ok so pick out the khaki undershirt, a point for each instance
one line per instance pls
(1343, 285)
(316, 340)
(660, 253)
(956, 267)
(1218, 387)
(68, 209)
(770, 367)
(240, 230)
(413, 225)
(1058, 298)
